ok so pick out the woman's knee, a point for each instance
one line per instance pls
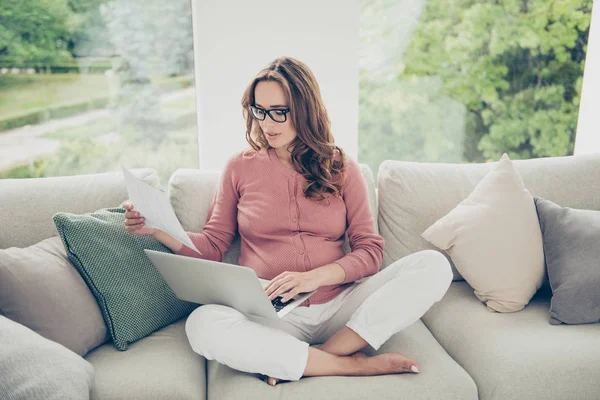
(433, 262)
(205, 324)
(439, 266)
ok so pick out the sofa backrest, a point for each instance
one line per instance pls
(413, 195)
(27, 205)
(191, 193)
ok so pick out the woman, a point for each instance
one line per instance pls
(292, 197)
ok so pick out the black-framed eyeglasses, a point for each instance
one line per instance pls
(276, 114)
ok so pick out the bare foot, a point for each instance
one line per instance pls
(383, 364)
(391, 363)
(377, 365)
(274, 381)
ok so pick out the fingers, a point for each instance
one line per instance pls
(133, 228)
(135, 221)
(130, 211)
(283, 289)
(277, 281)
(271, 283)
(132, 214)
(290, 295)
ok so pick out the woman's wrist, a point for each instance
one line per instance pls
(330, 274)
(166, 239)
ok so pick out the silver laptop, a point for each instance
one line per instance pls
(211, 282)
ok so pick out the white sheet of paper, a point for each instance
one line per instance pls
(154, 206)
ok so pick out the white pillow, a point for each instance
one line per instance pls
(494, 240)
(33, 367)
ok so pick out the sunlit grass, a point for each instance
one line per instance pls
(22, 93)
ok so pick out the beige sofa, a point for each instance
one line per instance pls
(465, 351)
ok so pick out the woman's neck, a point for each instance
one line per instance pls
(284, 155)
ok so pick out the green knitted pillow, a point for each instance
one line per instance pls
(133, 297)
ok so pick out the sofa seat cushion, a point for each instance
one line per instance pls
(517, 355)
(440, 377)
(160, 366)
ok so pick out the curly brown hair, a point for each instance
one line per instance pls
(313, 151)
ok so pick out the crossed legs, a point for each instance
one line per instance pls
(379, 307)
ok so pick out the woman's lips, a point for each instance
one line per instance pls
(272, 134)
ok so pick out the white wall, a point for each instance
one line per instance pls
(235, 39)
(588, 124)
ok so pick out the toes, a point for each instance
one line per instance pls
(272, 381)
(405, 364)
(412, 366)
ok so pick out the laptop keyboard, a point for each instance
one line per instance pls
(278, 304)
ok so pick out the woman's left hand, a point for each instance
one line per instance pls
(292, 283)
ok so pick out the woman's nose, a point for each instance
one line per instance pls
(267, 126)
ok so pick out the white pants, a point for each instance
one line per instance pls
(376, 308)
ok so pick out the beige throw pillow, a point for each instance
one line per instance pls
(494, 239)
(41, 289)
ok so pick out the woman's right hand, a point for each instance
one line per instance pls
(134, 221)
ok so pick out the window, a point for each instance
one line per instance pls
(588, 137)
(89, 85)
(465, 81)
